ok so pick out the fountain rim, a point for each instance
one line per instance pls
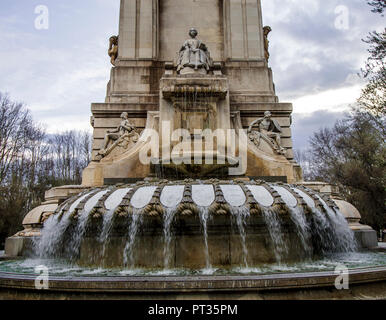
(192, 284)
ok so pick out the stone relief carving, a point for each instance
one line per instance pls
(122, 137)
(113, 49)
(193, 56)
(267, 129)
(267, 30)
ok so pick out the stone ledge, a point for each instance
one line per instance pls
(370, 283)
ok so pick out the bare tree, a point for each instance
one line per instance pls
(15, 122)
(31, 162)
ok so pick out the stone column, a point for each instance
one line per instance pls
(243, 30)
(138, 29)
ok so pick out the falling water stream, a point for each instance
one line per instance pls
(111, 204)
(298, 217)
(73, 247)
(168, 219)
(54, 230)
(128, 255)
(272, 221)
(343, 237)
(242, 214)
(204, 216)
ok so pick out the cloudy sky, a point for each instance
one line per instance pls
(316, 53)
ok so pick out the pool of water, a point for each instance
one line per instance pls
(62, 269)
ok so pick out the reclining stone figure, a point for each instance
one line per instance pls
(121, 136)
(268, 128)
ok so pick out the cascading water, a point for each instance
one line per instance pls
(170, 197)
(168, 219)
(47, 246)
(242, 214)
(235, 196)
(323, 231)
(111, 204)
(204, 216)
(299, 219)
(72, 250)
(53, 232)
(128, 254)
(344, 239)
(106, 230)
(272, 221)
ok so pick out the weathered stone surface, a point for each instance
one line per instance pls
(35, 216)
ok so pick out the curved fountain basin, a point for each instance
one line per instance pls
(307, 283)
(353, 261)
(193, 225)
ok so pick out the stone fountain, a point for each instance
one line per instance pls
(192, 163)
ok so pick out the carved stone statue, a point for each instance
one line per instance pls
(122, 136)
(113, 49)
(268, 129)
(267, 30)
(193, 55)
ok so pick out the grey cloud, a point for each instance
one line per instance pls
(304, 126)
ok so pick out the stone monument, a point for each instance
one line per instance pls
(222, 62)
(180, 109)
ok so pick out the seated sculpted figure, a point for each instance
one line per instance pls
(193, 54)
(124, 129)
(268, 127)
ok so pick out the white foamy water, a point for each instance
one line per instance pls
(234, 195)
(142, 197)
(171, 196)
(113, 201)
(261, 195)
(52, 234)
(287, 197)
(344, 236)
(203, 195)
